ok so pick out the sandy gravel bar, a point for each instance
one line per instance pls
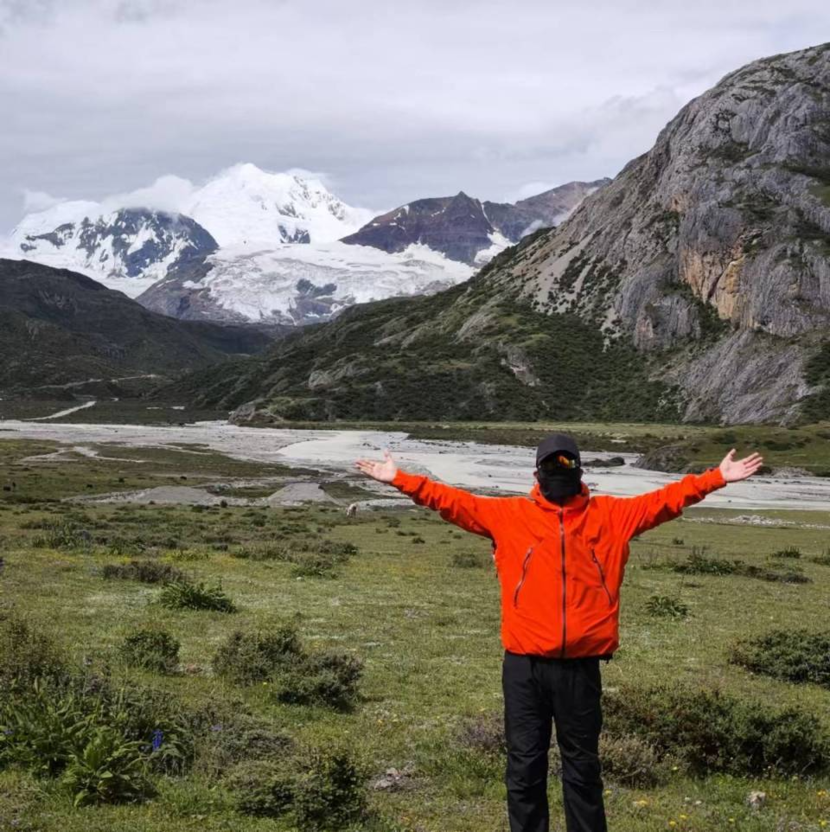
(496, 468)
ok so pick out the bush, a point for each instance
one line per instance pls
(330, 679)
(65, 535)
(698, 563)
(712, 731)
(467, 560)
(664, 606)
(247, 658)
(151, 649)
(26, 655)
(263, 788)
(330, 793)
(484, 733)
(278, 657)
(183, 595)
(631, 761)
(126, 546)
(822, 560)
(146, 571)
(237, 739)
(791, 552)
(314, 565)
(792, 655)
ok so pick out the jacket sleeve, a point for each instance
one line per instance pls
(635, 515)
(469, 511)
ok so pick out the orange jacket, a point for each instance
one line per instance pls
(560, 569)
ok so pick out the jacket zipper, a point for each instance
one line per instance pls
(564, 576)
(602, 577)
(524, 575)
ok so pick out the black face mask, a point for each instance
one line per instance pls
(559, 486)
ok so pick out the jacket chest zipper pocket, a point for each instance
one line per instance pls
(525, 564)
(602, 577)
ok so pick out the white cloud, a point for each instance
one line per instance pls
(396, 101)
(168, 193)
(39, 200)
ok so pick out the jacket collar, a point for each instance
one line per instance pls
(576, 504)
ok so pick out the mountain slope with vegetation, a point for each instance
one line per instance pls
(60, 327)
(695, 286)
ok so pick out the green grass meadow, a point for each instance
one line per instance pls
(418, 604)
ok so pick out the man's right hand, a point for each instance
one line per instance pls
(381, 471)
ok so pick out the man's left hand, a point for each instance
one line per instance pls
(735, 470)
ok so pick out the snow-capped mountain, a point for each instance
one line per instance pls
(130, 248)
(244, 204)
(250, 245)
(298, 284)
(127, 249)
(467, 229)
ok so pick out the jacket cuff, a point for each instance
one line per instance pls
(712, 480)
(408, 483)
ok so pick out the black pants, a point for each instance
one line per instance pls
(537, 692)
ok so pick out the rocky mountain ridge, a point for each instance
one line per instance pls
(466, 229)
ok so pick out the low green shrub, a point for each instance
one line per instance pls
(151, 649)
(263, 788)
(236, 739)
(467, 560)
(330, 679)
(314, 565)
(483, 733)
(822, 560)
(183, 595)
(248, 658)
(711, 731)
(145, 571)
(633, 762)
(664, 606)
(323, 788)
(792, 655)
(699, 563)
(26, 655)
(278, 657)
(65, 535)
(791, 552)
(330, 793)
(126, 546)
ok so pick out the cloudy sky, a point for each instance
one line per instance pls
(390, 100)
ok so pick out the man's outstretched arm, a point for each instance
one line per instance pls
(470, 512)
(635, 515)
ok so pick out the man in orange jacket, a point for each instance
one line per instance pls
(560, 557)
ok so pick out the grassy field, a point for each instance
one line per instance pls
(417, 602)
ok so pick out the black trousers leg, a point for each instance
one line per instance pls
(527, 726)
(577, 689)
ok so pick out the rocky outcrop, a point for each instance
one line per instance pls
(711, 252)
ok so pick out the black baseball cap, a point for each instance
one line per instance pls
(557, 443)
